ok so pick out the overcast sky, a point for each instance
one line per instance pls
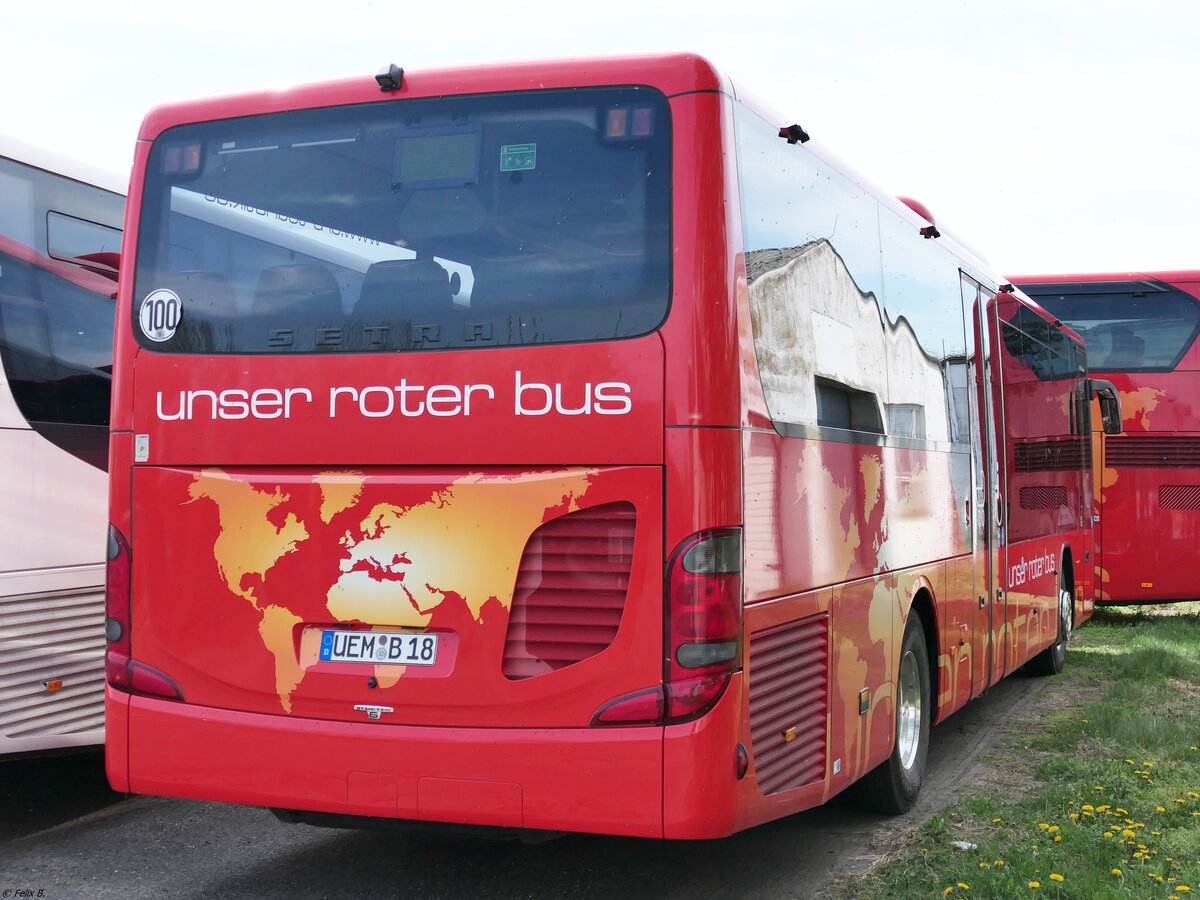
(1052, 136)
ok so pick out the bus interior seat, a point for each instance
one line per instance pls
(398, 290)
(1128, 349)
(211, 292)
(303, 292)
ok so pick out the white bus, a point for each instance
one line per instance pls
(60, 239)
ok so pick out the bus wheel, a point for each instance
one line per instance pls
(893, 786)
(1051, 660)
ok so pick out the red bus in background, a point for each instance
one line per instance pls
(1140, 330)
(570, 446)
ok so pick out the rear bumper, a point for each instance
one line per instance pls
(606, 780)
(677, 782)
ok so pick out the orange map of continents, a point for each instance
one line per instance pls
(396, 563)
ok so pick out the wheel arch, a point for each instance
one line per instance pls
(922, 604)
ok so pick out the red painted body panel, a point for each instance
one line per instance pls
(505, 777)
(271, 557)
(343, 412)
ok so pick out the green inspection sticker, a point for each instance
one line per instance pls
(517, 157)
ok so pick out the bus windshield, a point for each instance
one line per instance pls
(1128, 327)
(450, 222)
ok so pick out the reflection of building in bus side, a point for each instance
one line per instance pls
(59, 243)
(826, 357)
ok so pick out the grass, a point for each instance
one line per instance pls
(1097, 795)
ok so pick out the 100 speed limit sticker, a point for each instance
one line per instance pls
(159, 315)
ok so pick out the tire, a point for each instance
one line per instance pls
(1051, 660)
(893, 786)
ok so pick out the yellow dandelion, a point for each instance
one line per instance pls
(1074, 817)
(1043, 826)
(964, 885)
(1108, 834)
(984, 866)
(1084, 721)
(1122, 812)
(1182, 887)
(997, 820)
(1131, 762)
(1058, 839)
(1177, 800)
(948, 891)
(1193, 795)
(1099, 787)
(1035, 884)
(1129, 832)
(1156, 833)
(1148, 764)
(1053, 829)
(1117, 872)
(1160, 808)
(1054, 876)
(1104, 808)
(998, 862)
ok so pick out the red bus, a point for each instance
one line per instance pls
(567, 446)
(1140, 330)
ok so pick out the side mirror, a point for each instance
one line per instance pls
(1110, 404)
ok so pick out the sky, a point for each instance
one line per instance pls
(1052, 136)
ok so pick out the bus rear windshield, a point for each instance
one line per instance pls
(1128, 327)
(472, 221)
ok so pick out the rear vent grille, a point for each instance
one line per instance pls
(571, 590)
(1052, 456)
(1043, 497)
(789, 690)
(1154, 452)
(49, 637)
(1179, 496)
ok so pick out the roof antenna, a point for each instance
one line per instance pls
(390, 78)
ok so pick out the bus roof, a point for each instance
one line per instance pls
(671, 73)
(40, 157)
(1179, 276)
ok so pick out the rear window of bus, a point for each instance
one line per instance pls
(487, 220)
(1128, 327)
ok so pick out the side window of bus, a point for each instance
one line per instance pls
(857, 319)
(1041, 411)
(56, 344)
(71, 238)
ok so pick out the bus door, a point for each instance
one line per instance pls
(987, 461)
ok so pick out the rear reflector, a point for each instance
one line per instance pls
(640, 708)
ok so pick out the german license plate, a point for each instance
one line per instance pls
(378, 647)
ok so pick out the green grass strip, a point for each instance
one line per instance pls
(1097, 796)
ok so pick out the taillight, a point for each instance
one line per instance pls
(702, 634)
(117, 573)
(703, 621)
(122, 671)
